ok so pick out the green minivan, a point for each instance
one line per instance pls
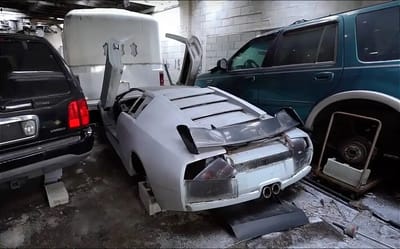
(347, 62)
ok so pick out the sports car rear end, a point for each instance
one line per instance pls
(262, 154)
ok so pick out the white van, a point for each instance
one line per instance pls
(87, 30)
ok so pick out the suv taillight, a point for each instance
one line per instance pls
(161, 78)
(78, 114)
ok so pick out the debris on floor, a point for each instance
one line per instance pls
(313, 235)
(383, 206)
(105, 210)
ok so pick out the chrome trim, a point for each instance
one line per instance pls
(283, 69)
(352, 95)
(39, 149)
(314, 22)
(27, 76)
(373, 66)
(13, 107)
(18, 119)
(371, 62)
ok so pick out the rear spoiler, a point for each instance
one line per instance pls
(195, 138)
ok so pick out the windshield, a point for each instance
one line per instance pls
(29, 69)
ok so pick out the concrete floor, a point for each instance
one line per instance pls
(105, 211)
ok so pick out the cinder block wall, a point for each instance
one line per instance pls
(175, 21)
(224, 26)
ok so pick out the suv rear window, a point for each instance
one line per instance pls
(29, 69)
(378, 35)
(28, 55)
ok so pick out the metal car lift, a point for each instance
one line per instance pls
(345, 175)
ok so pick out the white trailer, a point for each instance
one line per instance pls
(87, 30)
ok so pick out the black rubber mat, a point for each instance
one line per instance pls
(255, 218)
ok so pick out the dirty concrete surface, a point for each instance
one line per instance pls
(105, 211)
(384, 204)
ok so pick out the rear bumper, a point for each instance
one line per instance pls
(44, 158)
(249, 195)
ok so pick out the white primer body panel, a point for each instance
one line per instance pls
(154, 138)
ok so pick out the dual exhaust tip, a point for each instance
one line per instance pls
(270, 190)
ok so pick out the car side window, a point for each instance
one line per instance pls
(253, 53)
(327, 47)
(136, 104)
(22, 59)
(139, 105)
(378, 35)
(307, 45)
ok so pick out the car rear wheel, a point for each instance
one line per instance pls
(138, 167)
(353, 140)
(355, 150)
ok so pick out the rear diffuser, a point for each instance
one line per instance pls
(252, 219)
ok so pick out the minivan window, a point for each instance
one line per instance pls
(252, 54)
(307, 45)
(378, 35)
(28, 69)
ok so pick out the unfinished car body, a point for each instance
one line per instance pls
(200, 148)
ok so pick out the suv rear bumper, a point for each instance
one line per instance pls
(39, 160)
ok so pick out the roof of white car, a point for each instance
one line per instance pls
(208, 106)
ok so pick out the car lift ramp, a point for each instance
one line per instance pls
(255, 218)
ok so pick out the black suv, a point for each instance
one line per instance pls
(44, 119)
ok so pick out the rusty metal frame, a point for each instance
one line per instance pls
(360, 187)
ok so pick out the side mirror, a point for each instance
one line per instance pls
(222, 64)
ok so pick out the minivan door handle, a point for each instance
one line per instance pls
(324, 76)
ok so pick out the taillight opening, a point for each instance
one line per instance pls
(210, 169)
(78, 114)
(161, 78)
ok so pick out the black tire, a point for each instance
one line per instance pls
(138, 167)
(357, 134)
(354, 151)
